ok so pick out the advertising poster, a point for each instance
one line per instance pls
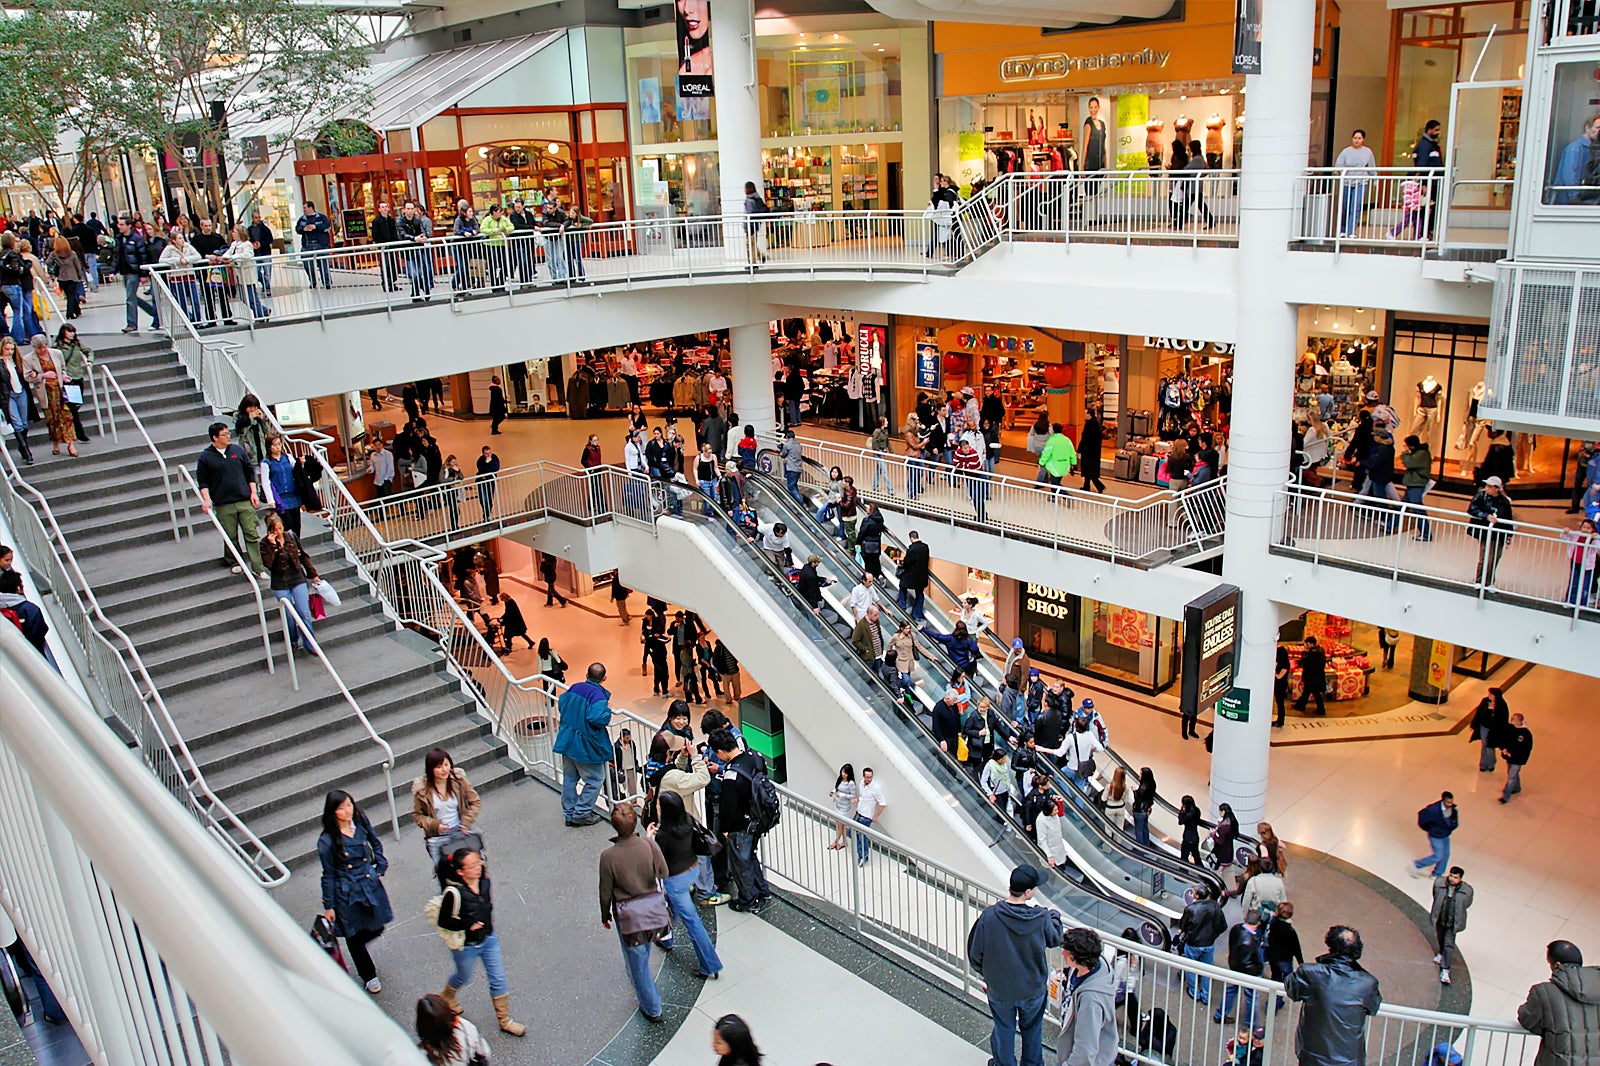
(969, 161)
(1133, 112)
(927, 365)
(695, 84)
(1247, 36)
(649, 99)
(1210, 646)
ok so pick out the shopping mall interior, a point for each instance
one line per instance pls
(1271, 471)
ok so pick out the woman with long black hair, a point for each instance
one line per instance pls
(1144, 800)
(682, 842)
(731, 1039)
(1189, 819)
(353, 864)
(446, 1038)
(467, 906)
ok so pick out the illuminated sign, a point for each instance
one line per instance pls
(1210, 645)
(994, 342)
(1179, 344)
(1053, 65)
(1047, 602)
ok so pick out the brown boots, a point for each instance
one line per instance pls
(502, 1013)
(449, 996)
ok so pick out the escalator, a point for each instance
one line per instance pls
(942, 605)
(1092, 890)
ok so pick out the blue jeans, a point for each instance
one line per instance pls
(682, 906)
(644, 985)
(486, 498)
(862, 843)
(705, 882)
(1513, 780)
(1439, 858)
(555, 256)
(264, 276)
(1486, 755)
(19, 317)
(1355, 196)
(1414, 495)
(419, 271)
(1206, 954)
(573, 805)
(710, 489)
(1578, 582)
(1141, 827)
(17, 410)
(91, 275)
(313, 267)
(916, 605)
(791, 478)
(493, 967)
(130, 289)
(1014, 1015)
(299, 599)
(1229, 998)
(747, 871)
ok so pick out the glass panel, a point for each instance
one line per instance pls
(398, 140)
(656, 114)
(439, 133)
(677, 185)
(501, 173)
(608, 127)
(842, 87)
(1572, 174)
(1423, 93)
(487, 129)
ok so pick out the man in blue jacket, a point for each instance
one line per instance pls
(1009, 945)
(1438, 820)
(584, 745)
(316, 234)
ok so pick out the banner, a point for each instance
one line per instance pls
(969, 161)
(695, 84)
(1210, 646)
(927, 365)
(1133, 113)
(1247, 37)
(649, 99)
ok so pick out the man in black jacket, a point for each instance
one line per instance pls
(1489, 722)
(227, 480)
(261, 241)
(1515, 747)
(1244, 957)
(1313, 677)
(386, 231)
(1490, 512)
(1202, 923)
(1339, 997)
(914, 576)
(130, 256)
(734, 801)
(523, 223)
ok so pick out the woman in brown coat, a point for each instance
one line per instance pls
(443, 802)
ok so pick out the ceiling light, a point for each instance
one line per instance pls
(836, 36)
(875, 44)
(555, 149)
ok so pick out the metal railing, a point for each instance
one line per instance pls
(1543, 333)
(313, 284)
(106, 417)
(157, 952)
(1143, 533)
(1193, 207)
(1477, 214)
(119, 678)
(922, 910)
(474, 506)
(1519, 562)
(1396, 207)
(240, 561)
(1570, 18)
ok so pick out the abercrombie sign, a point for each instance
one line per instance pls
(1178, 344)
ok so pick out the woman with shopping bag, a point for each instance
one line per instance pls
(292, 571)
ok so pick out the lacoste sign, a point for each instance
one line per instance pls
(1058, 64)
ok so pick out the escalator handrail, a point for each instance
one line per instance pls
(1133, 907)
(1098, 822)
(987, 632)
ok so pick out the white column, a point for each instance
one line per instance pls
(752, 378)
(733, 59)
(1278, 105)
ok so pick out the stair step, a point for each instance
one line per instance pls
(206, 659)
(153, 603)
(156, 630)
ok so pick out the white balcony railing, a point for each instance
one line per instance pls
(1400, 209)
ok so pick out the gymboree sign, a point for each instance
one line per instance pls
(1054, 65)
(1210, 646)
(981, 339)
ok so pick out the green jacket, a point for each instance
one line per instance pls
(1418, 463)
(495, 229)
(76, 360)
(1058, 457)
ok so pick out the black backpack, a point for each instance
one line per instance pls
(1156, 1024)
(765, 809)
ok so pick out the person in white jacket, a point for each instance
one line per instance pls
(241, 256)
(185, 283)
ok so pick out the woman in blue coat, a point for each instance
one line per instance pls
(961, 645)
(353, 898)
(280, 473)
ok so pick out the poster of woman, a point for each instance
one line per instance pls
(695, 87)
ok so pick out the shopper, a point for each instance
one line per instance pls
(735, 807)
(1189, 818)
(1452, 897)
(913, 578)
(1088, 1002)
(1202, 924)
(1058, 457)
(1313, 677)
(443, 803)
(285, 484)
(353, 865)
(446, 1038)
(843, 794)
(731, 1040)
(226, 476)
(629, 895)
(584, 745)
(1283, 944)
(1245, 957)
(467, 906)
(1089, 444)
(1438, 820)
(292, 574)
(1583, 547)
(1564, 1012)
(1008, 947)
(1338, 997)
(870, 805)
(1490, 721)
(683, 842)
(1516, 746)
(1418, 463)
(1490, 514)
(1144, 801)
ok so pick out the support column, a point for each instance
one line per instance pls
(1278, 106)
(752, 379)
(733, 59)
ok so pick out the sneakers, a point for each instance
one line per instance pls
(1444, 977)
(1437, 959)
(374, 986)
(130, 329)
(716, 899)
(741, 906)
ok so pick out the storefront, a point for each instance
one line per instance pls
(844, 117)
(845, 358)
(1434, 382)
(1018, 99)
(1341, 360)
(1118, 644)
(497, 122)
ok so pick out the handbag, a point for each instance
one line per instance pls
(454, 939)
(705, 841)
(961, 749)
(319, 610)
(72, 394)
(641, 918)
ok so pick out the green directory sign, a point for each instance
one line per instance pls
(1235, 706)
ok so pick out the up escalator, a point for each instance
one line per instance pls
(1089, 889)
(943, 605)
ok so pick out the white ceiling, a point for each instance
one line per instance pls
(1054, 14)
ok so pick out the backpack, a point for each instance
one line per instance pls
(765, 809)
(1156, 1024)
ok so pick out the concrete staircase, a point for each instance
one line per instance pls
(270, 752)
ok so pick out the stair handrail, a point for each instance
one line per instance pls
(285, 608)
(110, 408)
(266, 867)
(210, 511)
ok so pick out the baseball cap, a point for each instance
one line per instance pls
(1373, 395)
(1088, 705)
(1016, 642)
(966, 390)
(1033, 671)
(1494, 480)
(1023, 878)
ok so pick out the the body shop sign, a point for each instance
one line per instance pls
(1210, 646)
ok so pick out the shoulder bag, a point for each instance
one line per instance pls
(454, 939)
(641, 918)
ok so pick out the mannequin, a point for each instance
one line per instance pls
(1429, 409)
(1152, 141)
(1214, 127)
(1467, 440)
(1094, 138)
(1182, 127)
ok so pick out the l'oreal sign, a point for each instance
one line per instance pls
(1053, 65)
(1179, 344)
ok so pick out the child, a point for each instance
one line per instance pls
(1249, 1048)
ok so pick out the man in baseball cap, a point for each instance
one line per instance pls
(1491, 515)
(1009, 945)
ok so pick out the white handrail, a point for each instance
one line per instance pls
(285, 608)
(144, 713)
(111, 416)
(239, 558)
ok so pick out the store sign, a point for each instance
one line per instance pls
(927, 365)
(253, 151)
(994, 342)
(1043, 601)
(1210, 646)
(355, 225)
(1055, 65)
(1247, 37)
(1235, 706)
(1178, 344)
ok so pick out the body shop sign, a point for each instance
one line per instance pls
(1210, 645)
